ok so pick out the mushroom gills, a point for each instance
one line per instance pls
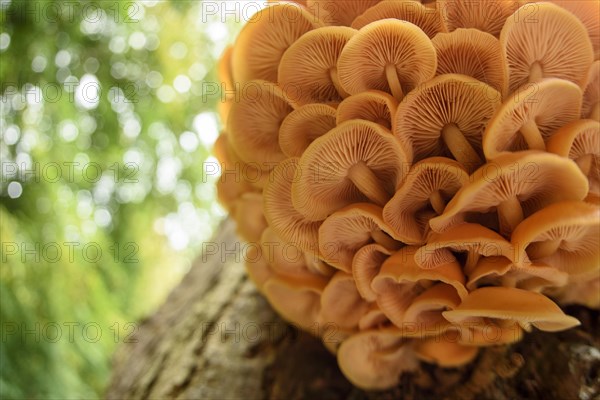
(366, 181)
(335, 79)
(459, 146)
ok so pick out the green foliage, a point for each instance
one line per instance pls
(104, 201)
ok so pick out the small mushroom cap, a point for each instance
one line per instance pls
(375, 359)
(344, 232)
(487, 16)
(590, 107)
(445, 353)
(263, 40)
(254, 124)
(444, 100)
(535, 178)
(303, 125)
(366, 265)
(473, 53)
(284, 258)
(324, 187)
(525, 307)
(341, 304)
(565, 235)
(249, 217)
(548, 104)
(580, 141)
(582, 289)
(426, 309)
(339, 12)
(402, 45)
(372, 105)
(308, 69)
(412, 200)
(428, 19)
(281, 215)
(555, 45)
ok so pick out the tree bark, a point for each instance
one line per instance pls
(217, 338)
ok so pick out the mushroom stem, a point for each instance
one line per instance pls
(536, 73)
(543, 249)
(333, 74)
(508, 280)
(437, 202)
(532, 136)
(460, 147)
(595, 113)
(366, 181)
(392, 78)
(510, 214)
(472, 260)
(585, 163)
(382, 238)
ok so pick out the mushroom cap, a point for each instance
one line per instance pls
(305, 70)
(284, 258)
(575, 228)
(473, 53)
(428, 19)
(344, 232)
(412, 199)
(257, 267)
(339, 12)
(579, 139)
(426, 309)
(324, 187)
(445, 99)
(582, 289)
(362, 63)
(525, 307)
(254, 124)
(375, 359)
(341, 304)
(535, 178)
(486, 15)
(263, 40)
(224, 69)
(445, 353)
(549, 104)
(303, 125)
(249, 217)
(591, 95)
(483, 332)
(372, 105)
(465, 237)
(366, 265)
(551, 42)
(281, 215)
(587, 11)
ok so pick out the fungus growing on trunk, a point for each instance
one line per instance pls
(372, 105)
(303, 125)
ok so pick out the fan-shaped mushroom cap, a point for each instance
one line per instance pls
(254, 124)
(303, 125)
(356, 161)
(587, 11)
(485, 15)
(341, 304)
(284, 258)
(388, 55)
(428, 19)
(550, 43)
(308, 69)
(590, 107)
(454, 108)
(430, 183)
(515, 185)
(339, 12)
(473, 53)
(474, 239)
(565, 235)
(249, 217)
(580, 141)
(366, 265)
(400, 280)
(372, 105)
(349, 229)
(376, 359)
(530, 115)
(263, 40)
(296, 300)
(525, 307)
(281, 215)
(426, 309)
(500, 271)
(445, 353)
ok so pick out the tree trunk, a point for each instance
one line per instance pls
(217, 338)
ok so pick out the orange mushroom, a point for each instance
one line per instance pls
(341, 304)
(303, 125)
(543, 40)
(308, 69)
(587, 11)
(590, 107)
(372, 105)
(484, 15)
(445, 353)
(582, 289)
(514, 185)
(284, 258)
(366, 265)
(339, 12)
(388, 55)
(249, 217)
(356, 161)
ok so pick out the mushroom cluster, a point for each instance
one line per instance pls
(416, 181)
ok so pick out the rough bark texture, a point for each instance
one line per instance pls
(216, 338)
